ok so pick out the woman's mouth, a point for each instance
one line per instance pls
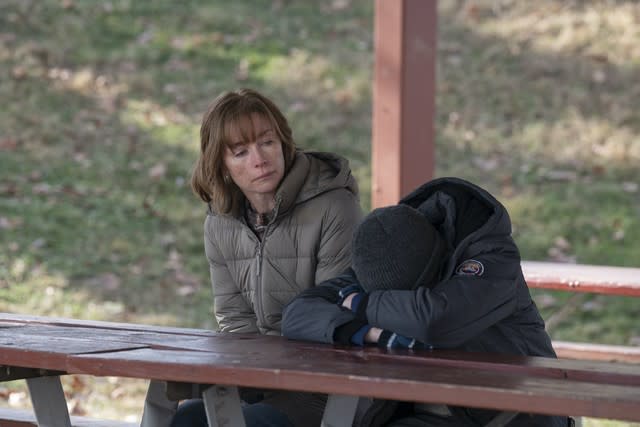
(263, 176)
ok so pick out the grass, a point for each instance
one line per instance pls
(102, 101)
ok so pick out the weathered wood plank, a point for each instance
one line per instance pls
(10, 417)
(408, 380)
(600, 352)
(289, 355)
(246, 347)
(506, 382)
(81, 336)
(7, 319)
(576, 370)
(50, 353)
(583, 278)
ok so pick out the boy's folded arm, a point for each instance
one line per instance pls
(315, 314)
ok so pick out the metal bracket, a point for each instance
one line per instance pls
(10, 373)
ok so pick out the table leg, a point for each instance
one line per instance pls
(223, 407)
(158, 409)
(339, 411)
(49, 403)
(502, 419)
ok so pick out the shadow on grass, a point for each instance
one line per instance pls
(509, 99)
(100, 136)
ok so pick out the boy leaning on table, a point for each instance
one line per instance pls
(438, 270)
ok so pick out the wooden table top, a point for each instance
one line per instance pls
(515, 383)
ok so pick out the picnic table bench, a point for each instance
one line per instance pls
(597, 279)
(39, 349)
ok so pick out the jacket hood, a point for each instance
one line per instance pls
(460, 210)
(312, 174)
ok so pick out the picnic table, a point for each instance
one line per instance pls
(40, 349)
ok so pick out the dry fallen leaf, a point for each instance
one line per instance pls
(75, 407)
(618, 235)
(42, 188)
(105, 281)
(562, 243)
(242, 70)
(545, 300)
(158, 171)
(17, 398)
(630, 187)
(10, 224)
(77, 384)
(8, 144)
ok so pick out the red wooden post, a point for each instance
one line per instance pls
(403, 98)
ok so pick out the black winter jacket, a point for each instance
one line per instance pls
(480, 303)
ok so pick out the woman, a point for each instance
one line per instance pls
(279, 221)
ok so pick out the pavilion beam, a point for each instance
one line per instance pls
(403, 98)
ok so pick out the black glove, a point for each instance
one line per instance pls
(343, 333)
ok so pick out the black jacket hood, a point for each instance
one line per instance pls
(462, 212)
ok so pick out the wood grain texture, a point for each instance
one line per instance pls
(507, 382)
(583, 278)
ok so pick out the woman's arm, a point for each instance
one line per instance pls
(339, 221)
(233, 312)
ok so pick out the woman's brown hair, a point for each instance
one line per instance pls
(231, 109)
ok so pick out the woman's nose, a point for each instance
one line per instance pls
(258, 158)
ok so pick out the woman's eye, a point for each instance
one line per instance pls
(239, 153)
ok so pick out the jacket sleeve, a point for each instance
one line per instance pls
(314, 314)
(456, 309)
(339, 221)
(232, 311)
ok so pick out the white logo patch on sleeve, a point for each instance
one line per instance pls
(470, 267)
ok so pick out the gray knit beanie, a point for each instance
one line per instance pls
(396, 247)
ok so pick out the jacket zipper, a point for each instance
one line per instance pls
(261, 243)
(259, 259)
(259, 306)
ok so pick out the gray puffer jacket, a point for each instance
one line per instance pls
(307, 242)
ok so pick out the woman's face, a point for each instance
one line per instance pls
(255, 166)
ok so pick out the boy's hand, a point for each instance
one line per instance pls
(348, 295)
(388, 339)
